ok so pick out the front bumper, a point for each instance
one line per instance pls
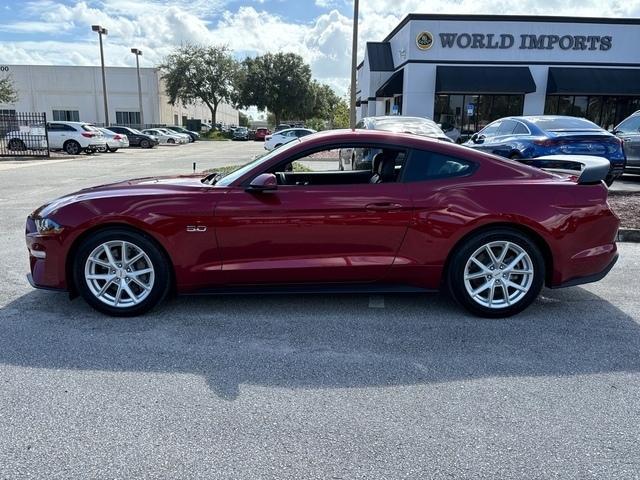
(46, 259)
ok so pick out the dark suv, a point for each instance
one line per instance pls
(629, 131)
(136, 137)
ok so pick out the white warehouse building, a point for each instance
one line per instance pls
(74, 93)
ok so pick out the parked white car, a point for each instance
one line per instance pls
(26, 137)
(285, 136)
(114, 140)
(185, 137)
(164, 137)
(72, 137)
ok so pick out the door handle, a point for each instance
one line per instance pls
(379, 207)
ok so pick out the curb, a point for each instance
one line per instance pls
(629, 235)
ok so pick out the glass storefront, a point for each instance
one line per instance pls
(604, 111)
(470, 113)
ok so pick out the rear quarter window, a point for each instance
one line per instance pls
(423, 165)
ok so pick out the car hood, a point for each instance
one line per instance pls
(139, 186)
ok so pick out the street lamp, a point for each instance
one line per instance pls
(137, 52)
(103, 31)
(354, 64)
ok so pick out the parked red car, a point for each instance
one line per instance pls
(427, 215)
(261, 133)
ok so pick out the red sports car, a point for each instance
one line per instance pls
(426, 215)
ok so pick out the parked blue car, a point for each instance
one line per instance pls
(526, 138)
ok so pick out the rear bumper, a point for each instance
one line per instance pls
(594, 277)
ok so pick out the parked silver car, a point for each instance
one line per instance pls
(629, 131)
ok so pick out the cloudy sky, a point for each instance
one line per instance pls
(58, 32)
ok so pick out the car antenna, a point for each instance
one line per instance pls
(194, 167)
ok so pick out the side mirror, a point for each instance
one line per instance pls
(265, 182)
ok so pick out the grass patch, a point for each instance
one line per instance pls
(215, 136)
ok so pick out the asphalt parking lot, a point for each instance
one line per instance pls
(400, 386)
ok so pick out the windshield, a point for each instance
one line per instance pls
(236, 174)
(133, 130)
(556, 124)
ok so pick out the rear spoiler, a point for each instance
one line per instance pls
(590, 169)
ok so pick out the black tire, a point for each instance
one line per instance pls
(277, 146)
(17, 144)
(145, 143)
(162, 281)
(609, 180)
(113, 150)
(460, 257)
(72, 147)
(171, 141)
(515, 156)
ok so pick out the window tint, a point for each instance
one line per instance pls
(60, 127)
(563, 123)
(491, 129)
(521, 129)
(302, 133)
(507, 127)
(630, 125)
(425, 165)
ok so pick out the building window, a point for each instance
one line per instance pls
(397, 105)
(470, 113)
(7, 112)
(128, 118)
(66, 116)
(606, 111)
(387, 107)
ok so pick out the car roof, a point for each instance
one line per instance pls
(295, 129)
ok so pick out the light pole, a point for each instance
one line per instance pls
(354, 64)
(103, 31)
(137, 52)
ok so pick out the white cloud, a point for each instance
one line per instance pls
(157, 26)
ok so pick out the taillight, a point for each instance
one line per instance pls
(117, 137)
(87, 134)
(546, 142)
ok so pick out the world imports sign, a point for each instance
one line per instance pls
(504, 41)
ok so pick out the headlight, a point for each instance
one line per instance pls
(46, 226)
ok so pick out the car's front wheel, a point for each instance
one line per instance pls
(121, 272)
(496, 273)
(145, 144)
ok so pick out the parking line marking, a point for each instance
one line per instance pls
(376, 301)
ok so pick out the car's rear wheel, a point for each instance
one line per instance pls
(171, 140)
(121, 273)
(515, 156)
(496, 273)
(16, 144)
(145, 144)
(72, 147)
(113, 150)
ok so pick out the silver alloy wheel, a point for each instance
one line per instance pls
(498, 274)
(119, 273)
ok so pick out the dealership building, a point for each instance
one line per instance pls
(464, 71)
(75, 93)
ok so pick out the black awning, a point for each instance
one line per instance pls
(593, 81)
(393, 86)
(484, 80)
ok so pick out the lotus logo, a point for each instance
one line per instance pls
(424, 40)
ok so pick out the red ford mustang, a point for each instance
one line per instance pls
(426, 215)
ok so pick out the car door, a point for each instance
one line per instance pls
(56, 135)
(484, 139)
(629, 132)
(502, 142)
(310, 230)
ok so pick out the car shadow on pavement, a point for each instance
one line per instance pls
(308, 342)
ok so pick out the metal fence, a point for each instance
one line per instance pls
(23, 134)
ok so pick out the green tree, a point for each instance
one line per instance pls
(243, 119)
(8, 93)
(200, 73)
(340, 114)
(278, 82)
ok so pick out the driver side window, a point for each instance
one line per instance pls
(324, 167)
